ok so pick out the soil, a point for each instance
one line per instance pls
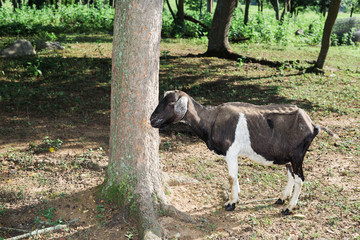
(41, 185)
(67, 181)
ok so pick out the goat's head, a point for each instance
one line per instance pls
(171, 109)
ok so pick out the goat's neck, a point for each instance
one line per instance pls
(200, 119)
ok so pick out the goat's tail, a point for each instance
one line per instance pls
(327, 130)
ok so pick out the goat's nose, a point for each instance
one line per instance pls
(155, 121)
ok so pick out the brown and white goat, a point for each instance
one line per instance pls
(271, 134)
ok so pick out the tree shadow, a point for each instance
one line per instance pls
(83, 211)
(64, 98)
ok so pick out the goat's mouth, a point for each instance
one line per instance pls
(161, 126)
(158, 123)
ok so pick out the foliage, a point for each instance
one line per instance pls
(262, 27)
(191, 29)
(48, 20)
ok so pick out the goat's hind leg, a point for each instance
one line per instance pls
(298, 182)
(232, 163)
(289, 186)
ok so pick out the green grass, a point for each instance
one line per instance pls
(215, 80)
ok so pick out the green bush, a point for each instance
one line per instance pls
(66, 19)
(261, 28)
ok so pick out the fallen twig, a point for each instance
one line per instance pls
(256, 201)
(39, 231)
(14, 229)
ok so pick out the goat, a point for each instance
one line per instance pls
(269, 134)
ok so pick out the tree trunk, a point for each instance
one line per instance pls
(325, 42)
(352, 11)
(218, 36)
(15, 4)
(180, 20)
(210, 4)
(284, 11)
(246, 15)
(275, 4)
(260, 5)
(133, 177)
(323, 7)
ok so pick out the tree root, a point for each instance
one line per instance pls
(173, 212)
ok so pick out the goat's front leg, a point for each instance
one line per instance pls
(232, 163)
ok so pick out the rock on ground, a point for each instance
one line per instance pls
(19, 48)
(49, 46)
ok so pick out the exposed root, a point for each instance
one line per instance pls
(173, 212)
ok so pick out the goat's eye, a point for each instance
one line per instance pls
(171, 104)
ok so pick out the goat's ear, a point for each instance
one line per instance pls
(181, 107)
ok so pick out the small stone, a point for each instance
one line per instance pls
(40, 45)
(299, 216)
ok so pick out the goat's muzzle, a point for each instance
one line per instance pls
(156, 122)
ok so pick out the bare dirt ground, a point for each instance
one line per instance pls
(44, 182)
(40, 190)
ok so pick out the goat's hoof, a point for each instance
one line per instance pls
(286, 212)
(230, 207)
(280, 201)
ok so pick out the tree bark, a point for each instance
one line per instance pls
(218, 36)
(133, 177)
(326, 38)
(210, 4)
(284, 11)
(180, 20)
(275, 4)
(246, 15)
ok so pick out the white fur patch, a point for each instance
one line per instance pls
(242, 143)
(297, 190)
(240, 146)
(289, 186)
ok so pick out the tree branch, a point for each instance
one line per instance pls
(170, 9)
(39, 231)
(191, 19)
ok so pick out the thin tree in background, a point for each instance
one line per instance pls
(246, 15)
(210, 4)
(326, 38)
(275, 4)
(133, 176)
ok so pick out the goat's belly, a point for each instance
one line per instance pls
(258, 158)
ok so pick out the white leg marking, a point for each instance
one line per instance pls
(297, 189)
(289, 186)
(232, 163)
(240, 146)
